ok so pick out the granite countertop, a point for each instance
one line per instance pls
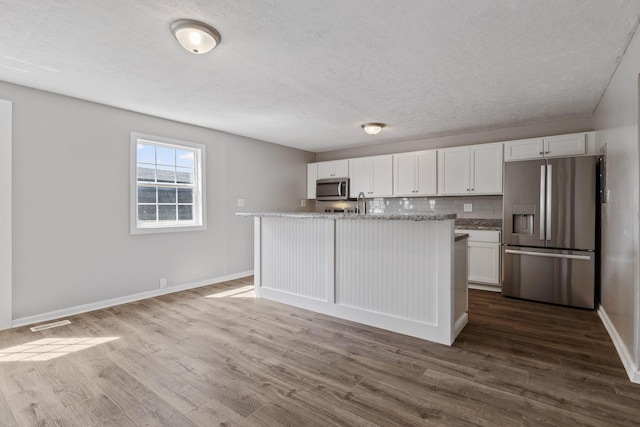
(460, 236)
(394, 216)
(479, 224)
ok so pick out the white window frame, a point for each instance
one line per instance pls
(199, 196)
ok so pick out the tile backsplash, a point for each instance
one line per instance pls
(482, 207)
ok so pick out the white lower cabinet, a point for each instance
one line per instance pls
(484, 259)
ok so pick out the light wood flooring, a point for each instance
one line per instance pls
(217, 356)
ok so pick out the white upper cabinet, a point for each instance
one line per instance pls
(415, 174)
(312, 176)
(371, 175)
(486, 169)
(453, 170)
(475, 169)
(524, 149)
(565, 145)
(575, 144)
(333, 169)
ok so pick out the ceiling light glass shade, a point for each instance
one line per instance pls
(195, 36)
(372, 128)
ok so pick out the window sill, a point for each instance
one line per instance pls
(167, 229)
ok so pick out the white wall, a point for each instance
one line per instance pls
(5, 214)
(506, 134)
(616, 124)
(71, 241)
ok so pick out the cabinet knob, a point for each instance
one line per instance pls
(542, 152)
(546, 152)
(473, 189)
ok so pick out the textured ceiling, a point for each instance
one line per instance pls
(308, 73)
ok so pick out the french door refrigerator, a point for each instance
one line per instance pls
(548, 247)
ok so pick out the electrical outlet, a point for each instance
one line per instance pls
(163, 283)
(468, 207)
(303, 203)
(241, 203)
(607, 198)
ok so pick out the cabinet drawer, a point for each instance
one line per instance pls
(489, 236)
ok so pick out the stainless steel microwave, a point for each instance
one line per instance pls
(332, 189)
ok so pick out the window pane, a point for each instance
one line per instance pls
(146, 212)
(185, 195)
(185, 212)
(165, 183)
(166, 174)
(184, 175)
(166, 156)
(167, 195)
(146, 153)
(167, 212)
(146, 194)
(146, 173)
(185, 159)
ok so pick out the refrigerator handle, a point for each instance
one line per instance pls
(549, 201)
(549, 255)
(542, 200)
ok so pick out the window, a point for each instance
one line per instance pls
(167, 185)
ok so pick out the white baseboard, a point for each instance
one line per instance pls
(627, 361)
(71, 311)
(490, 288)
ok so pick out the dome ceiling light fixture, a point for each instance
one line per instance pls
(195, 36)
(373, 128)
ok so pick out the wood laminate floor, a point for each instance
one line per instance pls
(217, 356)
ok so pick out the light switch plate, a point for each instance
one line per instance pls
(241, 203)
(468, 207)
(303, 203)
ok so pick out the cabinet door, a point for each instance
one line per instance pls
(312, 175)
(523, 149)
(326, 170)
(427, 173)
(333, 169)
(360, 176)
(486, 169)
(404, 182)
(341, 168)
(565, 145)
(381, 176)
(484, 263)
(453, 171)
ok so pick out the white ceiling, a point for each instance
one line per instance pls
(308, 73)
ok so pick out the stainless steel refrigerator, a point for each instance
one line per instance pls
(548, 246)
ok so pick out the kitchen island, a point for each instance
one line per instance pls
(406, 273)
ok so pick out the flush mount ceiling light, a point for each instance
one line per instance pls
(373, 128)
(195, 36)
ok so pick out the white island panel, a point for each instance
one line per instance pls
(389, 267)
(395, 272)
(297, 256)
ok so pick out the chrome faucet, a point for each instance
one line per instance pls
(364, 204)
